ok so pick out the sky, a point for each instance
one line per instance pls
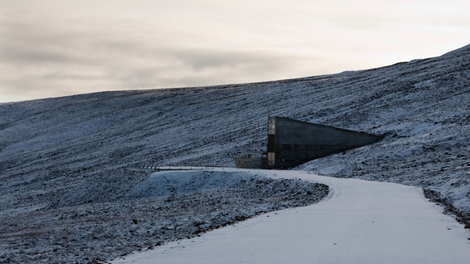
(52, 48)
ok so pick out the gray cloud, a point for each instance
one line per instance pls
(52, 48)
(62, 59)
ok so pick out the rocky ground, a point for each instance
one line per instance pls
(164, 207)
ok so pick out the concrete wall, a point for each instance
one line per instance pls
(297, 142)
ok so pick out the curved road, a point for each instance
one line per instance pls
(360, 222)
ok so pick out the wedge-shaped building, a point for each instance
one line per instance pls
(292, 142)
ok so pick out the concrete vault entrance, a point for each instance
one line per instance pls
(292, 142)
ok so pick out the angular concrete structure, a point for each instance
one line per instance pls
(292, 142)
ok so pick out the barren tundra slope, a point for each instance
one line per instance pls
(73, 151)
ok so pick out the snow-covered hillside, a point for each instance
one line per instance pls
(73, 151)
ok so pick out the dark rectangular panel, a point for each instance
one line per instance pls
(271, 143)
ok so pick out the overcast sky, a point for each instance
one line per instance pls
(52, 48)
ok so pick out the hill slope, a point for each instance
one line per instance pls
(73, 150)
(421, 105)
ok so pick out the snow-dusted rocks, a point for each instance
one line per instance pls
(163, 207)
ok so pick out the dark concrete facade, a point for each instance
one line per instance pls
(292, 142)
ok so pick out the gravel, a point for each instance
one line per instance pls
(163, 207)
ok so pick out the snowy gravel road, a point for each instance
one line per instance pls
(360, 222)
